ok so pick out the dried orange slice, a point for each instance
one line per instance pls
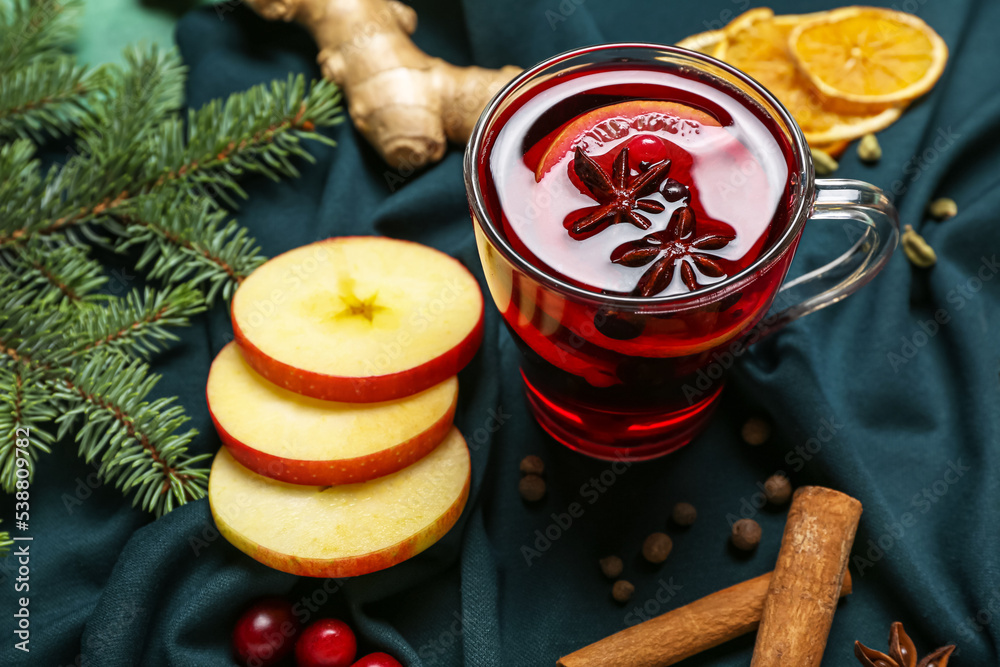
(760, 48)
(864, 58)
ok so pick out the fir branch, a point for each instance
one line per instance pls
(136, 441)
(31, 336)
(62, 272)
(186, 239)
(34, 29)
(137, 324)
(24, 407)
(75, 357)
(258, 131)
(45, 97)
(5, 543)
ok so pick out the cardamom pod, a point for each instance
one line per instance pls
(943, 208)
(917, 250)
(823, 162)
(868, 149)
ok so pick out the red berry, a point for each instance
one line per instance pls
(377, 660)
(326, 643)
(646, 148)
(265, 633)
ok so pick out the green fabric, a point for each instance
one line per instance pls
(106, 27)
(869, 396)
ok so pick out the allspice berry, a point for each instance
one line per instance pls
(532, 488)
(622, 591)
(532, 465)
(657, 547)
(756, 431)
(778, 489)
(684, 514)
(611, 566)
(746, 534)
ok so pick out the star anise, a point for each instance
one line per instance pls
(902, 652)
(619, 194)
(679, 242)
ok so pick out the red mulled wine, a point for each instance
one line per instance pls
(631, 179)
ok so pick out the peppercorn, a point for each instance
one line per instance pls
(611, 566)
(756, 431)
(684, 514)
(746, 534)
(532, 465)
(778, 489)
(868, 149)
(657, 547)
(622, 591)
(823, 162)
(532, 488)
(943, 208)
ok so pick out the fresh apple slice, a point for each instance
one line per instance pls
(346, 530)
(615, 121)
(359, 319)
(303, 440)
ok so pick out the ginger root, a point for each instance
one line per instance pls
(406, 103)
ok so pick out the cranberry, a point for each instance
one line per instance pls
(265, 633)
(326, 643)
(377, 660)
(646, 148)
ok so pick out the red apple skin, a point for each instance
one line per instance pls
(326, 643)
(343, 471)
(370, 389)
(358, 565)
(377, 660)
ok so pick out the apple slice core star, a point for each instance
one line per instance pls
(359, 319)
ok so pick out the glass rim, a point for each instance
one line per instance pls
(798, 216)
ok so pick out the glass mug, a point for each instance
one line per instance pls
(619, 376)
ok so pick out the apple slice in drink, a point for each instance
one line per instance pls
(303, 440)
(359, 319)
(346, 530)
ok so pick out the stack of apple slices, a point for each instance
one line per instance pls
(335, 405)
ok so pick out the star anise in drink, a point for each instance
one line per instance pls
(902, 652)
(620, 195)
(680, 244)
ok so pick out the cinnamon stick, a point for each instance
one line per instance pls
(806, 582)
(683, 632)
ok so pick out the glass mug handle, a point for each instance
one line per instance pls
(870, 220)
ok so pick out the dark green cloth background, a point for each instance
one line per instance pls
(109, 587)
